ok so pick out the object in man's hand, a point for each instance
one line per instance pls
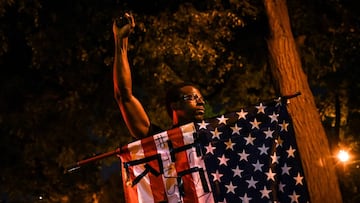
(123, 20)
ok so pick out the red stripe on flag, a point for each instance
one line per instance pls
(130, 193)
(156, 182)
(181, 164)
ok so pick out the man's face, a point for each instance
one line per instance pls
(191, 105)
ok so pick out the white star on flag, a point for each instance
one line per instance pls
(222, 119)
(210, 149)
(294, 197)
(285, 169)
(223, 160)
(203, 125)
(265, 193)
(279, 142)
(237, 171)
(281, 187)
(252, 182)
(243, 155)
(255, 124)
(229, 145)
(261, 108)
(268, 133)
(284, 126)
(274, 117)
(216, 134)
(245, 199)
(235, 129)
(242, 114)
(249, 140)
(270, 175)
(258, 166)
(274, 158)
(263, 149)
(217, 176)
(291, 152)
(298, 179)
(230, 188)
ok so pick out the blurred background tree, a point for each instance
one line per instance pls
(57, 103)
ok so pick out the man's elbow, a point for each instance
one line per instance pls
(140, 133)
(117, 96)
(121, 96)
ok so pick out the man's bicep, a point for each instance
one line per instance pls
(135, 117)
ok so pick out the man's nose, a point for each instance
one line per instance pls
(200, 100)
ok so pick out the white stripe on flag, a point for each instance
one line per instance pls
(170, 174)
(188, 131)
(143, 187)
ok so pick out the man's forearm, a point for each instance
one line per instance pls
(122, 73)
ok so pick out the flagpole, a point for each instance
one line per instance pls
(78, 164)
(285, 98)
(291, 96)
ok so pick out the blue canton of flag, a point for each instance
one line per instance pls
(251, 156)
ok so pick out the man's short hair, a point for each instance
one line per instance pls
(173, 95)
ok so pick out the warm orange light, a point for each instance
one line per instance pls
(343, 156)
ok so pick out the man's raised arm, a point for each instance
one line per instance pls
(131, 109)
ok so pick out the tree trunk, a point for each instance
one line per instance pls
(310, 135)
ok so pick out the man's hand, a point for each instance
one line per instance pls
(122, 31)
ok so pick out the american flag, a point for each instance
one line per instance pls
(245, 156)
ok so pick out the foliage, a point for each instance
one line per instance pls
(328, 47)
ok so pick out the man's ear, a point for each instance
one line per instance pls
(174, 105)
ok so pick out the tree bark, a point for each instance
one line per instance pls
(313, 146)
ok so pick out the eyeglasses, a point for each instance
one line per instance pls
(192, 97)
